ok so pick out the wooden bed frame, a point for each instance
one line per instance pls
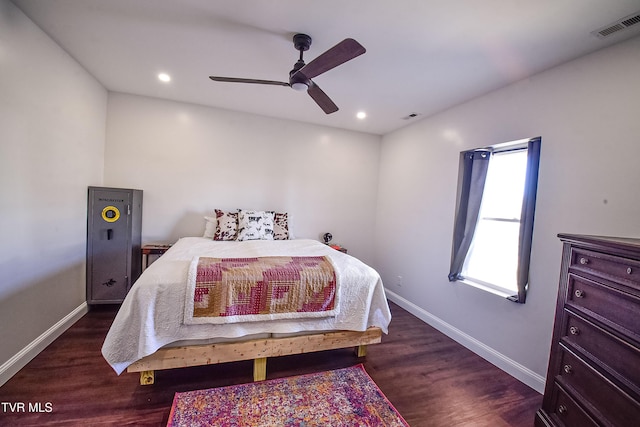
(258, 350)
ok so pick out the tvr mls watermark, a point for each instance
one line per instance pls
(14, 407)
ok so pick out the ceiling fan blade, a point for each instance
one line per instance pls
(255, 81)
(321, 99)
(344, 51)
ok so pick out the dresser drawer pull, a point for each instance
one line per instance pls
(567, 369)
(562, 409)
(584, 261)
(629, 270)
(579, 293)
(574, 330)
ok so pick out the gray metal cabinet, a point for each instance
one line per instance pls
(114, 259)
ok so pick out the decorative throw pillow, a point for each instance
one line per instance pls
(255, 225)
(210, 227)
(280, 226)
(227, 227)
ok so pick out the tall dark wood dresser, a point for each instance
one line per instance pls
(593, 377)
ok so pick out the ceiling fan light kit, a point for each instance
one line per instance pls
(299, 86)
(301, 74)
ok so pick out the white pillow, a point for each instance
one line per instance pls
(255, 225)
(210, 227)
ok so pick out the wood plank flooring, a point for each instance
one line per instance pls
(429, 378)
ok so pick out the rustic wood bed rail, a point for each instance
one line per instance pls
(258, 350)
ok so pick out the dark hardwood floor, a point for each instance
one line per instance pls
(429, 378)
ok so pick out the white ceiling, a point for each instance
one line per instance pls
(422, 56)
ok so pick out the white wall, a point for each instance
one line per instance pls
(190, 160)
(587, 112)
(52, 125)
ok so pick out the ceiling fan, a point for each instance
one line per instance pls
(301, 75)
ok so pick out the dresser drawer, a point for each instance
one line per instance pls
(612, 404)
(619, 357)
(566, 412)
(614, 308)
(611, 267)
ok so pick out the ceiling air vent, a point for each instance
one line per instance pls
(619, 25)
(411, 116)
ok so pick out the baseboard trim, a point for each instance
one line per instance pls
(510, 366)
(11, 367)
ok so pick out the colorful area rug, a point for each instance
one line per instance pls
(341, 398)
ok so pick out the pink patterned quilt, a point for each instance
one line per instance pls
(227, 290)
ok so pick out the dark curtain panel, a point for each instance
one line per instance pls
(474, 165)
(526, 224)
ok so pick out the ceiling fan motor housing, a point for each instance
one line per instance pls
(298, 81)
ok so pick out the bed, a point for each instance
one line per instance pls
(153, 329)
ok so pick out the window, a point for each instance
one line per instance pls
(494, 218)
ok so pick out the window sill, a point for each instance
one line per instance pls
(498, 292)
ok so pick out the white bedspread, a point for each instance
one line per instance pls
(152, 314)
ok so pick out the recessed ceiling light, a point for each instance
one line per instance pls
(361, 115)
(164, 77)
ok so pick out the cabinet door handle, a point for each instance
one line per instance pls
(567, 369)
(574, 330)
(629, 270)
(562, 409)
(579, 293)
(584, 261)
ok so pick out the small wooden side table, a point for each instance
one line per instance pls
(152, 250)
(339, 248)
